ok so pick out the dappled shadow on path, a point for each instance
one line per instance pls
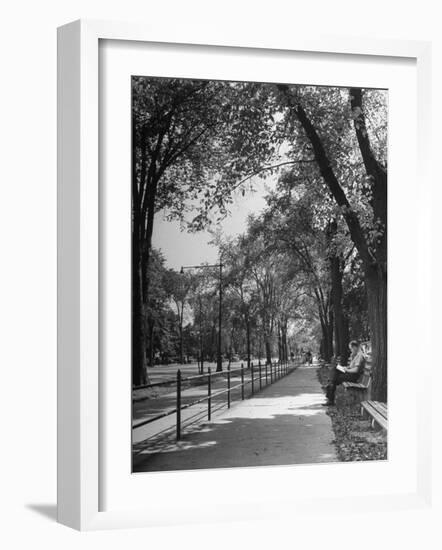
(279, 429)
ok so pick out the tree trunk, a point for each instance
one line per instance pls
(376, 285)
(327, 341)
(322, 349)
(331, 324)
(341, 334)
(138, 323)
(279, 341)
(248, 341)
(268, 350)
(284, 342)
(230, 352)
(151, 343)
(138, 310)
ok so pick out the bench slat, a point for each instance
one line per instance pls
(357, 385)
(375, 406)
(378, 411)
(381, 407)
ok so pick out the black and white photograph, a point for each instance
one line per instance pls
(221, 272)
(259, 274)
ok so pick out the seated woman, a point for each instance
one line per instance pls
(346, 374)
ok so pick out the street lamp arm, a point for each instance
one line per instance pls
(199, 266)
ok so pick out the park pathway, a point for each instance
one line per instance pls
(285, 423)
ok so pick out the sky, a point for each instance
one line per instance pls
(181, 248)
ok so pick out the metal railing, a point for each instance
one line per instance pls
(260, 376)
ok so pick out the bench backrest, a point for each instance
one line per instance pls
(365, 377)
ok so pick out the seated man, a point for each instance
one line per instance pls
(346, 374)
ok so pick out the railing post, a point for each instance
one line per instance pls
(178, 405)
(242, 381)
(209, 393)
(266, 372)
(228, 386)
(253, 380)
(260, 381)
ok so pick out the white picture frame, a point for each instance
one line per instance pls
(79, 265)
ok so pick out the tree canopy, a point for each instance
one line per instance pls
(314, 261)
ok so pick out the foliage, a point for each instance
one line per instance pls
(312, 266)
(195, 140)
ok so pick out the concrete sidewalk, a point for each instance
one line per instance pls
(283, 424)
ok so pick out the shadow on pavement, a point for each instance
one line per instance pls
(250, 436)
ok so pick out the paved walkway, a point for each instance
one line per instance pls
(284, 424)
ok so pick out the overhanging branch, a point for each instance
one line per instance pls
(328, 174)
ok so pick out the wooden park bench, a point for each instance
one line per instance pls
(377, 411)
(360, 390)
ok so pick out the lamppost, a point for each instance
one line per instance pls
(219, 360)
